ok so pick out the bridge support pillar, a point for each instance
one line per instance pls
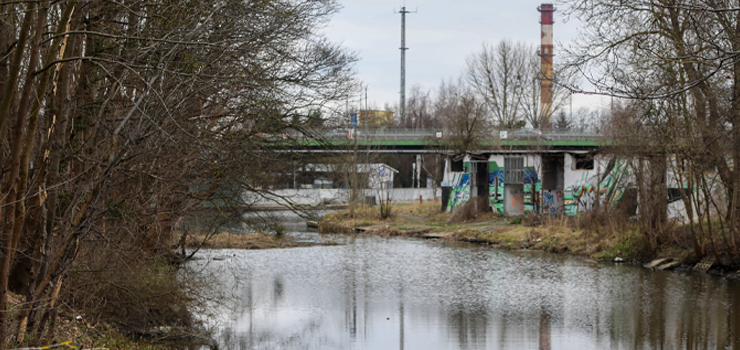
(513, 200)
(417, 172)
(479, 187)
(553, 184)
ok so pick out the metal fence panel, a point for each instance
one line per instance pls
(513, 170)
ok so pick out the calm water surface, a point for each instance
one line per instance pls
(377, 293)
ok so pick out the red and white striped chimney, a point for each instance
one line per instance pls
(546, 54)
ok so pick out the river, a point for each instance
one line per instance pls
(395, 293)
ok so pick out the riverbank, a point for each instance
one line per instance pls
(79, 331)
(428, 293)
(598, 238)
(228, 240)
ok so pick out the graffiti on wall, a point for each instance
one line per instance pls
(460, 193)
(552, 202)
(579, 196)
(582, 195)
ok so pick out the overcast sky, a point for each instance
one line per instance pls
(440, 35)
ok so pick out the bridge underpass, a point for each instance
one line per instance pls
(549, 148)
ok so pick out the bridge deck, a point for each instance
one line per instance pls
(415, 140)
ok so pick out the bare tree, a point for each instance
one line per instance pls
(419, 110)
(681, 57)
(464, 116)
(128, 115)
(563, 79)
(499, 75)
(586, 119)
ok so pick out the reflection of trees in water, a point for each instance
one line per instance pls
(265, 338)
(666, 310)
(482, 299)
(545, 331)
(402, 322)
(471, 326)
(277, 290)
(733, 318)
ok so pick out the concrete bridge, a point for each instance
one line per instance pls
(548, 170)
(418, 141)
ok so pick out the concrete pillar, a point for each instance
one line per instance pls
(513, 199)
(473, 180)
(447, 172)
(417, 175)
(479, 187)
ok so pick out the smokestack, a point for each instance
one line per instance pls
(546, 54)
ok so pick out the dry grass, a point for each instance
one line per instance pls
(228, 240)
(327, 226)
(472, 210)
(554, 236)
(427, 209)
(389, 231)
(601, 234)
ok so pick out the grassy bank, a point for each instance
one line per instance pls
(599, 236)
(228, 240)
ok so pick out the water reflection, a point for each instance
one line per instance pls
(252, 222)
(375, 293)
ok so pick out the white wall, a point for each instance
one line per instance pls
(338, 196)
(574, 177)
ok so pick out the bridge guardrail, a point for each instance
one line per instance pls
(362, 134)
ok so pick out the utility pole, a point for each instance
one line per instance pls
(403, 13)
(367, 134)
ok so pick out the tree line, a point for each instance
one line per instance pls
(499, 89)
(118, 117)
(675, 64)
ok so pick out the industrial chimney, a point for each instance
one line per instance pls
(546, 54)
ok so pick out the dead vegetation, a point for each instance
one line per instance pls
(346, 221)
(389, 231)
(473, 209)
(602, 235)
(228, 240)
(326, 226)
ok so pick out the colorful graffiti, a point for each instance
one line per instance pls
(552, 202)
(579, 196)
(515, 206)
(584, 189)
(460, 193)
(461, 189)
(582, 195)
